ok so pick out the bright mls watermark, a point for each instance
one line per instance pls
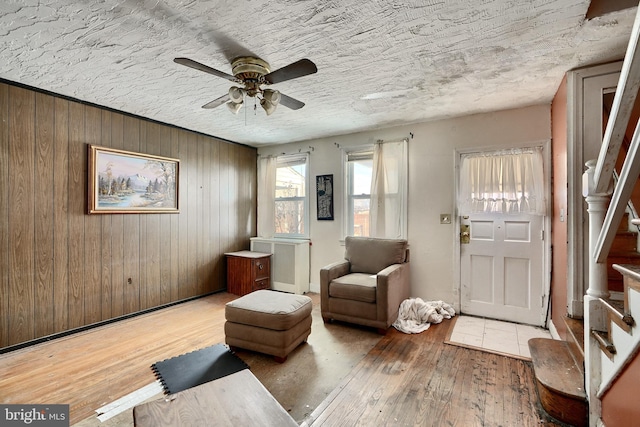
(34, 415)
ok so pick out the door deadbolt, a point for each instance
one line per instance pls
(464, 234)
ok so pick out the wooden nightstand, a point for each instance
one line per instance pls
(248, 271)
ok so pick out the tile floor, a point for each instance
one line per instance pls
(495, 336)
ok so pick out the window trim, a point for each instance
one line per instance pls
(291, 160)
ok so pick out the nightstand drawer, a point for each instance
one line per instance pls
(261, 284)
(261, 268)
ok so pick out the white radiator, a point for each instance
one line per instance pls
(289, 263)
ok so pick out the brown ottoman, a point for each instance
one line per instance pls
(268, 322)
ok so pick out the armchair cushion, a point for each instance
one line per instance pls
(370, 255)
(355, 287)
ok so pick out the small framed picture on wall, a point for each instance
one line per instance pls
(324, 194)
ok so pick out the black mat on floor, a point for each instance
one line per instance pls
(198, 367)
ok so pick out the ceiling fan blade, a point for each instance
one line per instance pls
(198, 66)
(300, 68)
(216, 102)
(290, 102)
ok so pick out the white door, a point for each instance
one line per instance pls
(502, 267)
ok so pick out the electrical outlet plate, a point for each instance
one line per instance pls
(445, 219)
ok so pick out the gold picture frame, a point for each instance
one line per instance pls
(127, 182)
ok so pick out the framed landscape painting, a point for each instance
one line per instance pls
(126, 182)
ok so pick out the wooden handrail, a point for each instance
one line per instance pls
(621, 195)
(621, 110)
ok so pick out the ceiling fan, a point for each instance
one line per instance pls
(252, 73)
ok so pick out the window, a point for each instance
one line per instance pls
(359, 167)
(291, 196)
(509, 181)
(376, 190)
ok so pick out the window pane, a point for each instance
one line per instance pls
(359, 185)
(361, 176)
(290, 216)
(361, 217)
(290, 181)
(290, 197)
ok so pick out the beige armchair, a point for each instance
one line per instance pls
(368, 286)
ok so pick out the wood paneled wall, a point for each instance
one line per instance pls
(62, 269)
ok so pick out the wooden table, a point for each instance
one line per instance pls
(235, 400)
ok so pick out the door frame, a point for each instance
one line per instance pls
(546, 262)
(583, 86)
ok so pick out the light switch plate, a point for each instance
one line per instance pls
(445, 219)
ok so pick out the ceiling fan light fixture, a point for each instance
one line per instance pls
(273, 96)
(270, 100)
(237, 94)
(234, 107)
(269, 108)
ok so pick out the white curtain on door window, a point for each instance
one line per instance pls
(389, 190)
(266, 196)
(505, 182)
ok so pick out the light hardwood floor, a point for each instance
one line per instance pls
(402, 380)
(92, 368)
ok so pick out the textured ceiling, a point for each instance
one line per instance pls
(380, 63)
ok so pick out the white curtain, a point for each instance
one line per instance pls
(389, 190)
(506, 182)
(266, 196)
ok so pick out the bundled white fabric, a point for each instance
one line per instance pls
(416, 315)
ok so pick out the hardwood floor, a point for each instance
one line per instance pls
(417, 380)
(403, 380)
(90, 369)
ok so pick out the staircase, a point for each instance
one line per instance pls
(559, 365)
(617, 335)
(623, 251)
(611, 336)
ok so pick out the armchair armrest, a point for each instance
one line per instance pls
(327, 274)
(334, 270)
(392, 288)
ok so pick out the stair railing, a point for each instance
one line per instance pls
(603, 221)
(621, 110)
(631, 209)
